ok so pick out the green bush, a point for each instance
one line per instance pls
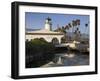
(38, 45)
(38, 52)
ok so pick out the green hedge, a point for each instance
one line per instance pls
(38, 52)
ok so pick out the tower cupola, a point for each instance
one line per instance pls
(48, 24)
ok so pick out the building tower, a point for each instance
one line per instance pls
(48, 24)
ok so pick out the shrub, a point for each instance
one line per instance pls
(38, 52)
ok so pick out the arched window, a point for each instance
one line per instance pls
(42, 39)
(63, 40)
(26, 40)
(31, 39)
(55, 41)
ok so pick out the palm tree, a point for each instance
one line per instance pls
(73, 24)
(67, 28)
(77, 34)
(69, 25)
(78, 23)
(62, 30)
(86, 25)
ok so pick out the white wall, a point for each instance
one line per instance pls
(48, 38)
(5, 40)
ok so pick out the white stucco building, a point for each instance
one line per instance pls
(46, 33)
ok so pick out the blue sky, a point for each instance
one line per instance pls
(37, 20)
